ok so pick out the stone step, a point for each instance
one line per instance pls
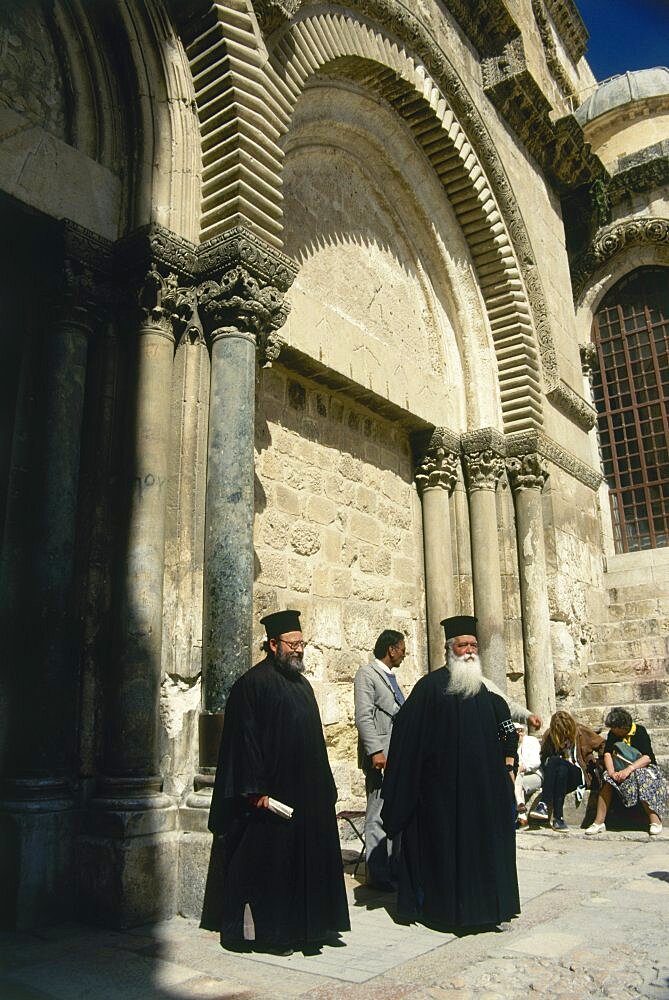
(632, 629)
(637, 593)
(654, 715)
(653, 647)
(625, 691)
(643, 609)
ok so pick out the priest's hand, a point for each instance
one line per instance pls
(378, 760)
(534, 721)
(259, 801)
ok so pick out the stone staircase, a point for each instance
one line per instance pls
(630, 665)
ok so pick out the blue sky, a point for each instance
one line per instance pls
(625, 35)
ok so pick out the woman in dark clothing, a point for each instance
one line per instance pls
(562, 771)
(639, 781)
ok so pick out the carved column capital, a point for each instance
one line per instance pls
(527, 472)
(83, 279)
(438, 466)
(483, 457)
(243, 282)
(483, 469)
(154, 268)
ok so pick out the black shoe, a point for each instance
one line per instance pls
(282, 951)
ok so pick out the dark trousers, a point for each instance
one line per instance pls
(560, 778)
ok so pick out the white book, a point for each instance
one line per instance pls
(280, 808)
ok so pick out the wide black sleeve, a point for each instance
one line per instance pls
(506, 731)
(241, 765)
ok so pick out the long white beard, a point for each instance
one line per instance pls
(466, 674)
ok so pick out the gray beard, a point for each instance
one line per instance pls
(290, 663)
(466, 674)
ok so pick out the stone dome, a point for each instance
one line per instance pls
(624, 89)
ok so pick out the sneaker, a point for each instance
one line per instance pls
(539, 811)
(559, 826)
(595, 828)
(655, 829)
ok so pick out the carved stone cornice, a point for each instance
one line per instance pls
(487, 23)
(272, 14)
(571, 28)
(558, 147)
(438, 466)
(564, 399)
(527, 472)
(154, 246)
(520, 443)
(483, 451)
(611, 241)
(589, 359)
(483, 439)
(648, 175)
(555, 67)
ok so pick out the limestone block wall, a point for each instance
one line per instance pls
(337, 536)
(575, 579)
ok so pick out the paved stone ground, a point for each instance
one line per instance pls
(595, 923)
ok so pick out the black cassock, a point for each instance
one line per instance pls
(446, 789)
(289, 872)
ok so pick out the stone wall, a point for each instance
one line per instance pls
(338, 536)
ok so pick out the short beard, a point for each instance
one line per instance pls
(466, 674)
(290, 663)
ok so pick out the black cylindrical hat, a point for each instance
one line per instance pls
(459, 625)
(280, 622)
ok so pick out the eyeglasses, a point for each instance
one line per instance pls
(294, 647)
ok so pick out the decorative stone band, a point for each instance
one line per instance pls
(438, 466)
(524, 443)
(572, 405)
(611, 241)
(527, 472)
(82, 288)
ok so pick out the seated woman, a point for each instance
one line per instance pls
(638, 781)
(567, 750)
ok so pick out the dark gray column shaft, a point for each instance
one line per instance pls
(228, 553)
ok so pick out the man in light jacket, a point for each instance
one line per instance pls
(378, 698)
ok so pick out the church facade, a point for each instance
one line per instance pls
(359, 309)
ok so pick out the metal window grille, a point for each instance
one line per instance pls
(631, 394)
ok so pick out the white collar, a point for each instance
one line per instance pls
(386, 669)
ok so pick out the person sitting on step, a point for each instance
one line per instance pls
(567, 752)
(630, 769)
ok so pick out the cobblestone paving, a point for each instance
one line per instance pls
(595, 924)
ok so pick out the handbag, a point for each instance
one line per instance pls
(624, 755)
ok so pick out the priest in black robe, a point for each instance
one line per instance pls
(448, 790)
(275, 884)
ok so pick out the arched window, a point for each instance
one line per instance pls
(631, 392)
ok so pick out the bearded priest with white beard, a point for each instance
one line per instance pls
(448, 790)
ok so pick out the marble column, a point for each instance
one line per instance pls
(241, 304)
(436, 476)
(484, 465)
(527, 475)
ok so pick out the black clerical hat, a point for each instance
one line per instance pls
(280, 622)
(459, 625)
